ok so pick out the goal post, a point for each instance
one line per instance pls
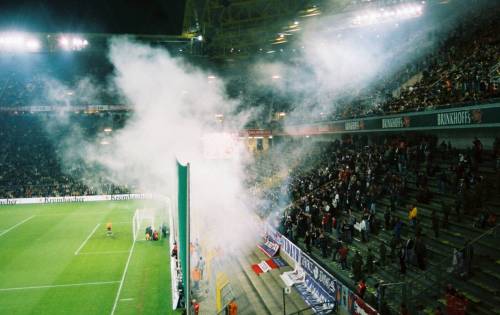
(144, 218)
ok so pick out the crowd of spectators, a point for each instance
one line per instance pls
(31, 164)
(459, 73)
(463, 69)
(335, 203)
(30, 79)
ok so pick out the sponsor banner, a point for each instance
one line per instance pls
(354, 125)
(320, 275)
(73, 199)
(314, 295)
(396, 122)
(463, 117)
(291, 249)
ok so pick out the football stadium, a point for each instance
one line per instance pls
(250, 157)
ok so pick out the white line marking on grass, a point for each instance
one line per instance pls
(105, 252)
(58, 286)
(128, 299)
(86, 240)
(123, 278)
(18, 224)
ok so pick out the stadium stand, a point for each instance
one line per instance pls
(463, 70)
(31, 165)
(377, 183)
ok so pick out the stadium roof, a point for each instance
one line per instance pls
(152, 17)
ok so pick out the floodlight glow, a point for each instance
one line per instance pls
(64, 42)
(212, 77)
(108, 129)
(33, 44)
(72, 42)
(276, 77)
(199, 38)
(389, 14)
(19, 42)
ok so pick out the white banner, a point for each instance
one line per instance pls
(65, 199)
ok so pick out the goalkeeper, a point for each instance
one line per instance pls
(109, 229)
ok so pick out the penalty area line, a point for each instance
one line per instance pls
(86, 240)
(16, 225)
(117, 298)
(58, 286)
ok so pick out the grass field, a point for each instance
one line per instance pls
(57, 259)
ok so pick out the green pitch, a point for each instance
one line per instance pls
(57, 259)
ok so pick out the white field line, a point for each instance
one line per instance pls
(86, 240)
(105, 252)
(76, 214)
(58, 286)
(127, 299)
(117, 298)
(18, 224)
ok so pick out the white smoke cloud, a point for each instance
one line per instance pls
(330, 61)
(174, 106)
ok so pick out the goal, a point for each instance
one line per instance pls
(144, 218)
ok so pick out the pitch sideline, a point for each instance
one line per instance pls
(58, 286)
(16, 225)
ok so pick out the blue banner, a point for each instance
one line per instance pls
(314, 295)
(291, 249)
(320, 275)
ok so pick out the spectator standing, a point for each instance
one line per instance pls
(343, 251)
(468, 257)
(361, 288)
(402, 262)
(357, 265)
(308, 241)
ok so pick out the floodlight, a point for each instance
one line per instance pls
(64, 42)
(33, 44)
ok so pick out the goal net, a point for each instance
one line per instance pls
(145, 220)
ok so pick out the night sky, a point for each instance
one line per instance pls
(91, 16)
